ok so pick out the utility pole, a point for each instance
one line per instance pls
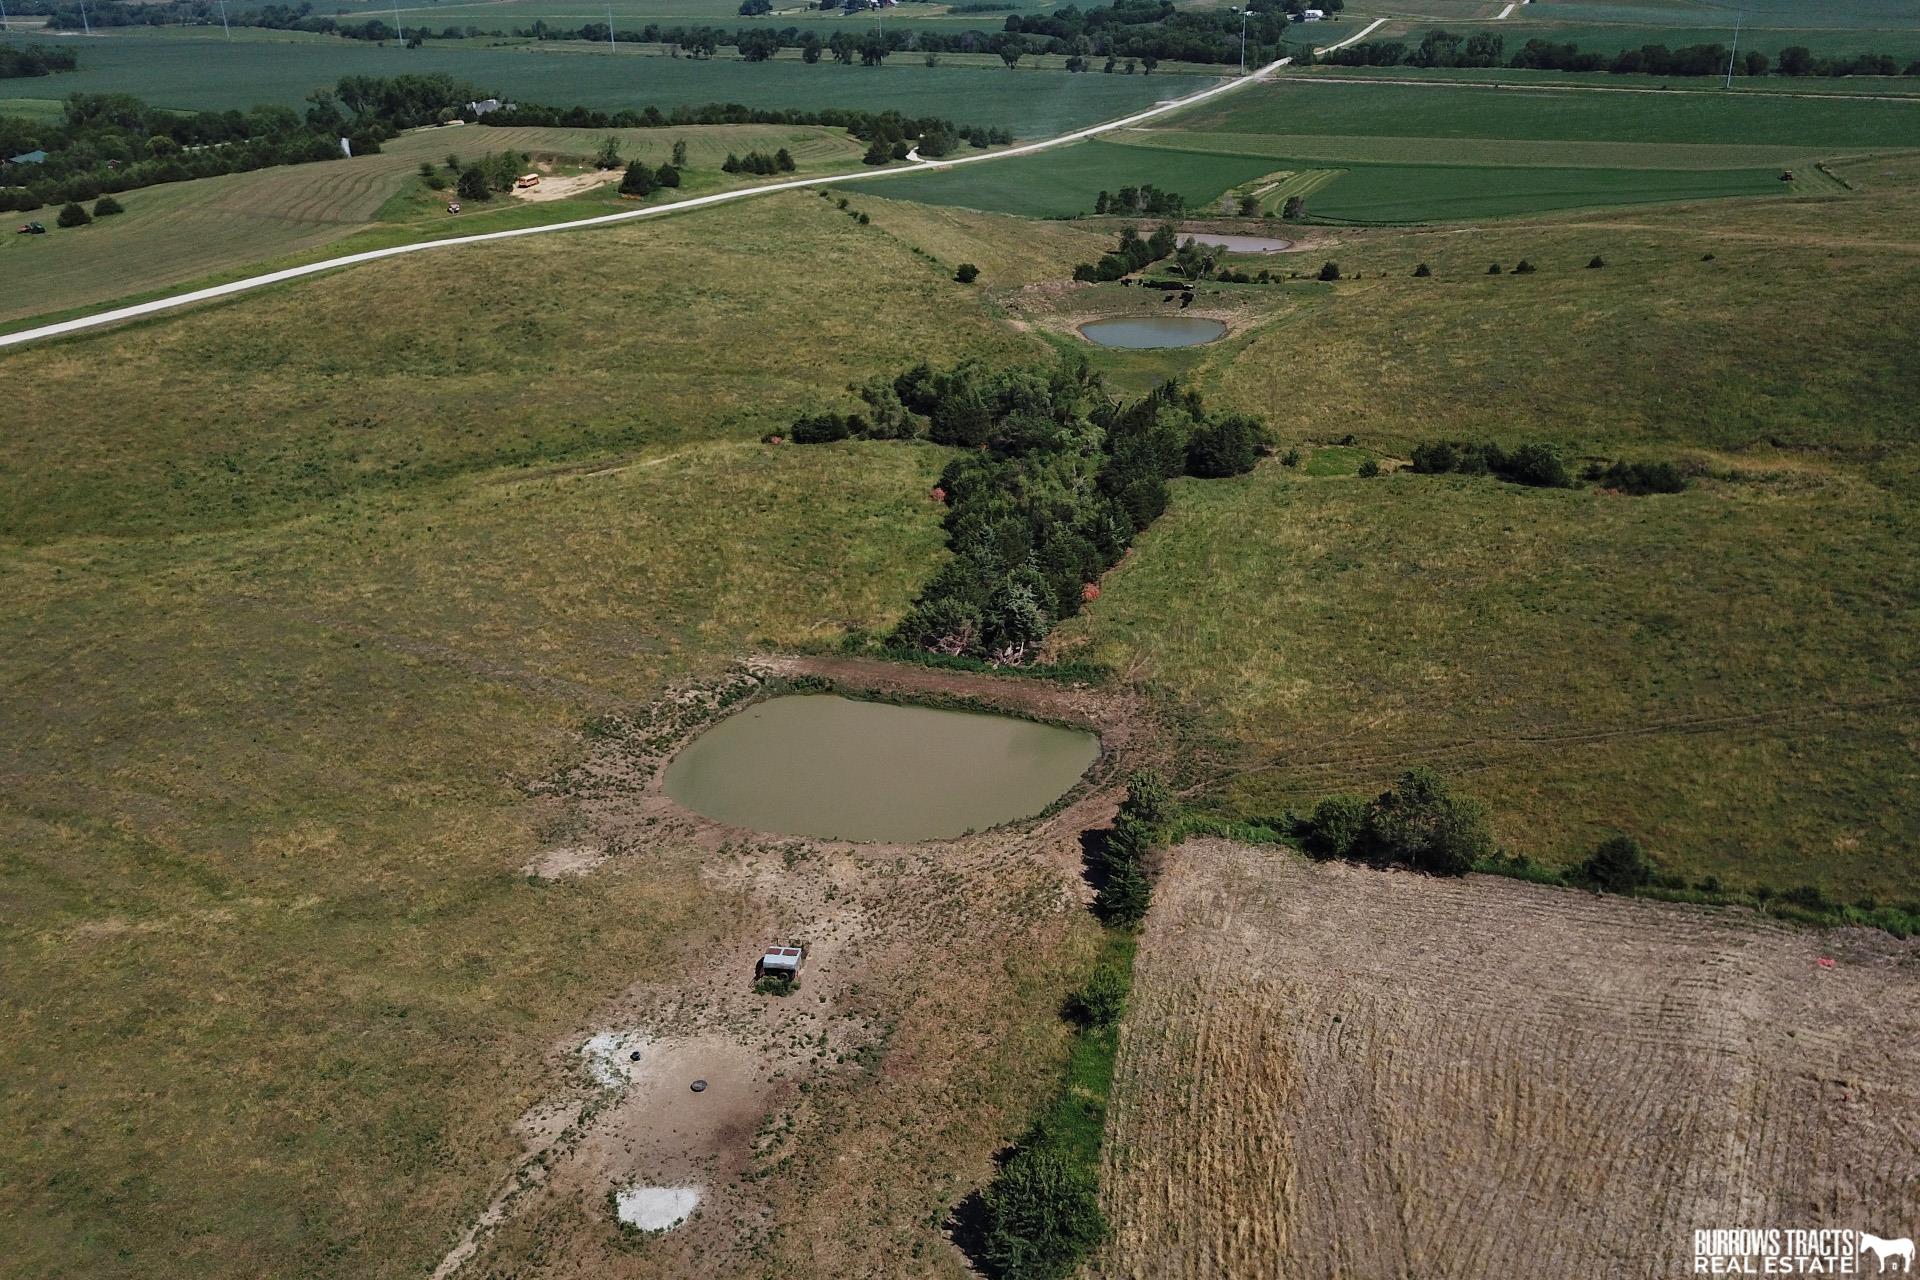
(3, 15)
(85, 22)
(1736, 47)
(610, 41)
(396, 23)
(223, 21)
(1243, 37)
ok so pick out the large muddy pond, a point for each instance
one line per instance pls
(1144, 332)
(826, 766)
(1239, 244)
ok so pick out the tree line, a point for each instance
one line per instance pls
(19, 61)
(116, 142)
(1446, 49)
(1144, 31)
(1543, 466)
(1055, 480)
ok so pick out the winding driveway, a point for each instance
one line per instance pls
(137, 310)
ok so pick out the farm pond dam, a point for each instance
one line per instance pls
(838, 769)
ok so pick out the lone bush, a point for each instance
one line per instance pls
(1421, 272)
(822, 428)
(967, 273)
(1641, 478)
(1617, 865)
(106, 207)
(1524, 269)
(1493, 268)
(1330, 271)
(1103, 1001)
(1042, 1217)
(1336, 828)
(1596, 262)
(1227, 446)
(1369, 468)
(72, 215)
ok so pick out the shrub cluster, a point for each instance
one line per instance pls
(1641, 478)
(493, 172)
(641, 180)
(759, 162)
(18, 61)
(1419, 822)
(1055, 481)
(1126, 859)
(1535, 464)
(1130, 254)
(1147, 199)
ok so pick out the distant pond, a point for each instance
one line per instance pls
(1145, 332)
(1238, 244)
(838, 769)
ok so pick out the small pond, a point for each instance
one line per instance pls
(826, 766)
(1143, 332)
(1238, 244)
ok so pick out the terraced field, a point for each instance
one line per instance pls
(1331, 1071)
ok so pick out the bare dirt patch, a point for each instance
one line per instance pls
(1332, 1071)
(560, 186)
(840, 1123)
(567, 860)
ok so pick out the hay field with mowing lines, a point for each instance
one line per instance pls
(1331, 1071)
(188, 232)
(191, 69)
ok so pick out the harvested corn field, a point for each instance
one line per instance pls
(1333, 1071)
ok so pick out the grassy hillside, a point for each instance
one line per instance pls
(307, 588)
(186, 232)
(1717, 671)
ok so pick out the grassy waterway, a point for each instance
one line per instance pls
(821, 765)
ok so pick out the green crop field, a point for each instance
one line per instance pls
(193, 68)
(1427, 193)
(1297, 106)
(1063, 183)
(191, 232)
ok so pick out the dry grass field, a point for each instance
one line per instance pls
(1332, 1071)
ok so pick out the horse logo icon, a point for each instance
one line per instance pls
(1901, 1248)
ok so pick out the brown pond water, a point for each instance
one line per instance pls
(826, 766)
